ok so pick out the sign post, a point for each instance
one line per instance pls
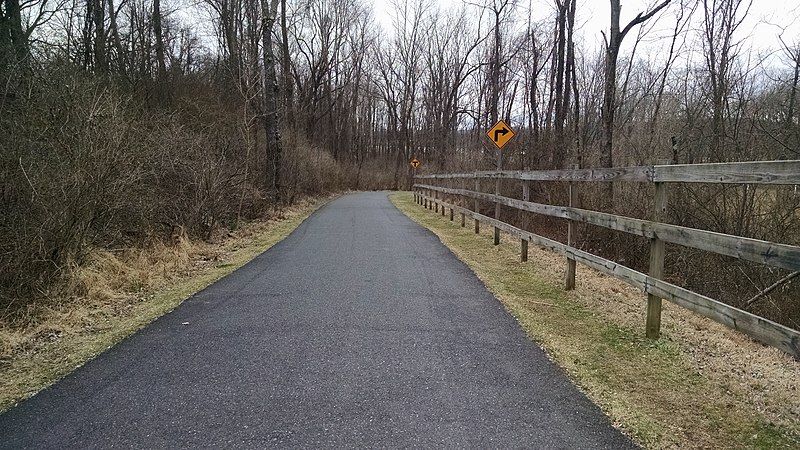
(414, 164)
(499, 134)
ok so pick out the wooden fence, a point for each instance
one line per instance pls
(769, 253)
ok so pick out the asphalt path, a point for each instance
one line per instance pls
(360, 329)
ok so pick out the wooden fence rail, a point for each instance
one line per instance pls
(757, 172)
(769, 253)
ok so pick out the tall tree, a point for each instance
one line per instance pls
(100, 52)
(13, 44)
(286, 69)
(116, 40)
(159, 35)
(565, 59)
(721, 20)
(792, 52)
(613, 42)
(269, 11)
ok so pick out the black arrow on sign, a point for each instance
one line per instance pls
(501, 131)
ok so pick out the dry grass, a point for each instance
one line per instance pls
(116, 294)
(701, 385)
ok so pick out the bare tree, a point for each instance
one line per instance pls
(613, 42)
(792, 52)
(159, 36)
(721, 20)
(269, 11)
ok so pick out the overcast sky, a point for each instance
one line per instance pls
(763, 24)
(766, 20)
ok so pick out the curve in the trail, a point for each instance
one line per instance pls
(360, 329)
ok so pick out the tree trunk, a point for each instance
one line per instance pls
(793, 91)
(159, 35)
(117, 42)
(98, 17)
(288, 86)
(609, 93)
(613, 43)
(13, 42)
(270, 113)
(557, 150)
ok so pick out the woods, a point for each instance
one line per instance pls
(121, 120)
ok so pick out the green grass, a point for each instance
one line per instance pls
(92, 327)
(648, 388)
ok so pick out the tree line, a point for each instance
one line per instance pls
(122, 119)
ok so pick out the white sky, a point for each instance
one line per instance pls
(761, 27)
(766, 20)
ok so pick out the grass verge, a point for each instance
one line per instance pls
(700, 386)
(118, 293)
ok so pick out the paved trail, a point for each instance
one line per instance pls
(359, 329)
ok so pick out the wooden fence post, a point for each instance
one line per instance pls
(436, 201)
(569, 282)
(475, 208)
(497, 210)
(462, 201)
(653, 325)
(526, 196)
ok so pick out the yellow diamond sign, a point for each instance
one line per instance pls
(500, 134)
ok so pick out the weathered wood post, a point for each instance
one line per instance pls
(569, 282)
(436, 201)
(497, 206)
(653, 325)
(475, 207)
(451, 213)
(526, 196)
(462, 201)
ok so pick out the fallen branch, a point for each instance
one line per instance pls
(772, 287)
